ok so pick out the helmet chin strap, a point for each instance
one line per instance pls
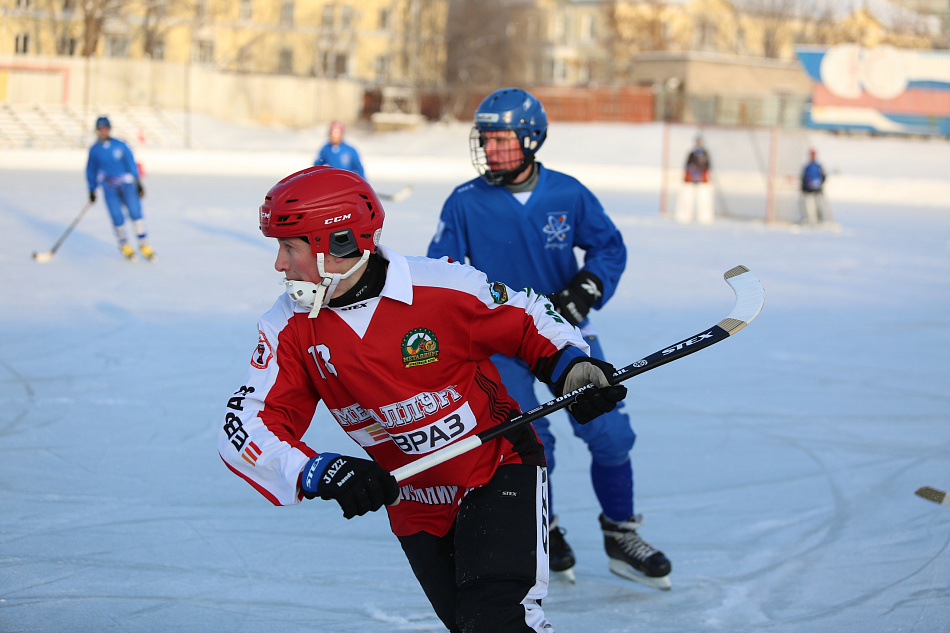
(315, 296)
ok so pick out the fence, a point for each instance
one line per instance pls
(81, 83)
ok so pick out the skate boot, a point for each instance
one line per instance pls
(560, 554)
(633, 558)
(146, 251)
(127, 252)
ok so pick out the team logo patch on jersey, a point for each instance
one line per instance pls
(499, 292)
(419, 347)
(262, 353)
(557, 229)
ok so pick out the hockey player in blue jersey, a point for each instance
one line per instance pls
(112, 165)
(338, 154)
(519, 222)
(813, 207)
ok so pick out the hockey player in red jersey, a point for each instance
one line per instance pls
(398, 349)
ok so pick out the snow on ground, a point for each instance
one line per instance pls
(776, 469)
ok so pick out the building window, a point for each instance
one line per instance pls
(347, 17)
(342, 61)
(22, 45)
(158, 50)
(117, 46)
(201, 9)
(287, 14)
(334, 64)
(326, 20)
(384, 17)
(382, 68)
(203, 52)
(247, 9)
(557, 28)
(704, 35)
(286, 64)
(69, 6)
(587, 27)
(24, 4)
(66, 45)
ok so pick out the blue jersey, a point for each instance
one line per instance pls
(531, 245)
(813, 177)
(341, 156)
(110, 163)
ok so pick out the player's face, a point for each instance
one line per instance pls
(296, 261)
(502, 149)
(103, 132)
(336, 136)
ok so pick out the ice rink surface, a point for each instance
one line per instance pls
(776, 469)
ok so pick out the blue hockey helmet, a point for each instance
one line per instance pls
(508, 109)
(103, 121)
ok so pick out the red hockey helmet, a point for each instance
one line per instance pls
(336, 210)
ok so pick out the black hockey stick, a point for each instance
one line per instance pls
(750, 297)
(48, 255)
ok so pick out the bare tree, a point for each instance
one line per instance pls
(633, 26)
(776, 18)
(489, 44)
(419, 43)
(94, 15)
(158, 18)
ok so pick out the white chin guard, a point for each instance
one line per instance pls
(315, 296)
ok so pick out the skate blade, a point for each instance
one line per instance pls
(567, 574)
(624, 570)
(42, 258)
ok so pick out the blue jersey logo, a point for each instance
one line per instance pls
(557, 229)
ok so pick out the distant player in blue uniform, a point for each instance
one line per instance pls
(519, 223)
(112, 165)
(338, 154)
(813, 207)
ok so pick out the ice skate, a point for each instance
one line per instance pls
(633, 558)
(147, 251)
(561, 556)
(127, 252)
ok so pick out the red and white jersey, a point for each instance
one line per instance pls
(404, 374)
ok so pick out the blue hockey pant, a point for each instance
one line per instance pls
(609, 437)
(121, 195)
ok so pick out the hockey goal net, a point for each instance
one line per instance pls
(755, 171)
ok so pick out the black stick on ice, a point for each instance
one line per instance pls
(750, 297)
(48, 255)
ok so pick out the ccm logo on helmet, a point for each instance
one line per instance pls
(338, 218)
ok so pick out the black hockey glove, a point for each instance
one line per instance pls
(140, 189)
(574, 302)
(358, 485)
(92, 196)
(592, 402)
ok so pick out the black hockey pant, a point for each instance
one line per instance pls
(489, 573)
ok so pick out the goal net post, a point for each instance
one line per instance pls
(755, 171)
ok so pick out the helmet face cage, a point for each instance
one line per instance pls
(508, 109)
(336, 210)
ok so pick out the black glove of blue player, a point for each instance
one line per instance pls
(574, 302)
(358, 485)
(140, 189)
(92, 196)
(592, 402)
